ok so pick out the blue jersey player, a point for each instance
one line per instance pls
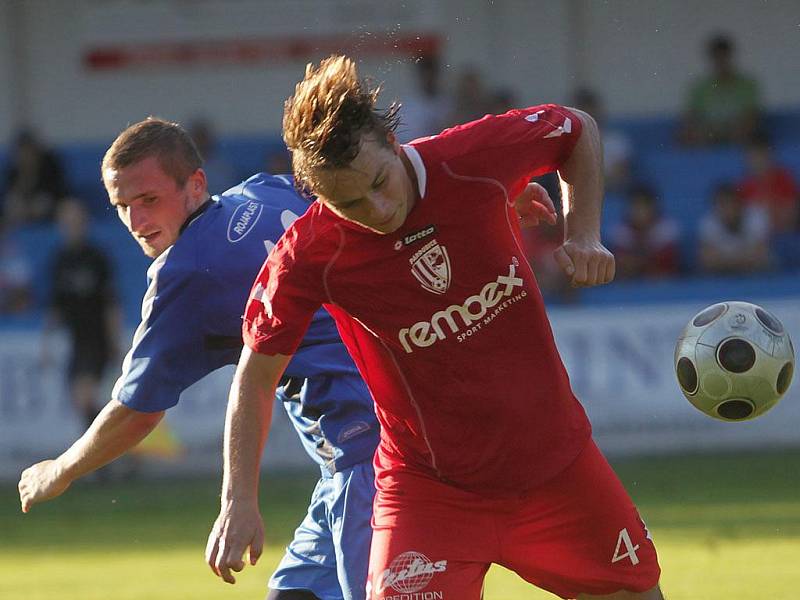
(207, 254)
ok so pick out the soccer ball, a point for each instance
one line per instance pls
(734, 361)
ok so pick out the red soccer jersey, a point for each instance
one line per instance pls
(443, 317)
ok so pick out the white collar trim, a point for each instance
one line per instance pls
(419, 167)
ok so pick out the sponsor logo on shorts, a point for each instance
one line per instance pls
(472, 314)
(243, 220)
(407, 575)
(351, 431)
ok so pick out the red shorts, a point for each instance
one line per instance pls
(577, 533)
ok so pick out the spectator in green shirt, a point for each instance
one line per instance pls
(723, 106)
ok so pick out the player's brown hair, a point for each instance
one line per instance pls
(167, 141)
(331, 110)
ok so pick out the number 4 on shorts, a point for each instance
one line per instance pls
(630, 550)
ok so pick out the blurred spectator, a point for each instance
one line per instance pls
(278, 162)
(645, 243)
(734, 237)
(501, 100)
(617, 147)
(722, 107)
(471, 100)
(84, 303)
(770, 185)
(34, 182)
(220, 173)
(426, 110)
(15, 277)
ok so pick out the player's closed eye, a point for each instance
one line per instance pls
(348, 205)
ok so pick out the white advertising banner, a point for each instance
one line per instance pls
(619, 360)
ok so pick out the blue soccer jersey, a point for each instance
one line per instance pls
(192, 319)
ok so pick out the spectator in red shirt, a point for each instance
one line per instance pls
(771, 186)
(645, 243)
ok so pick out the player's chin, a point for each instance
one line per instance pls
(387, 228)
(150, 250)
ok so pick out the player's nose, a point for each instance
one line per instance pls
(137, 220)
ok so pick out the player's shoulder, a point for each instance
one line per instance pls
(544, 120)
(261, 201)
(312, 238)
(242, 223)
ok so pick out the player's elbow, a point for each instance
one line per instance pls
(586, 158)
(148, 421)
(588, 124)
(140, 422)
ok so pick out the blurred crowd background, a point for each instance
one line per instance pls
(705, 187)
(698, 105)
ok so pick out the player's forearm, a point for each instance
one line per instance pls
(114, 431)
(247, 424)
(582, 182)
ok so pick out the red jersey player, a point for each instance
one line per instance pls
(485, 454)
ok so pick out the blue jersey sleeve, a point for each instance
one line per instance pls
(167, 353)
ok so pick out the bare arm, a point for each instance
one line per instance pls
(238, 526)
(582, 256)
(116, 430)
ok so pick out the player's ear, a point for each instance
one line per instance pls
(198, 182)
(391, 139)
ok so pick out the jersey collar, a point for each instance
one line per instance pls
(200, 210)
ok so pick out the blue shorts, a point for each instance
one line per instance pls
(329, 554)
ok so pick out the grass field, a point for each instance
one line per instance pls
(726, 527)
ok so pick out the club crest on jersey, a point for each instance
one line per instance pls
(431, 266)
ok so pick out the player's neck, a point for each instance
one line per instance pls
(196, 211)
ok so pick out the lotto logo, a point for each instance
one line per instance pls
(418, 235)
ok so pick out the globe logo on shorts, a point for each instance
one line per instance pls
(410, 572)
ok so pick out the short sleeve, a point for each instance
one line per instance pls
(513, 147)
(283, 301)
(166, 355)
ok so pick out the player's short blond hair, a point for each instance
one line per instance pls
(324, 121)
(167, 141)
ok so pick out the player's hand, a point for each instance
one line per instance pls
(585, 261)
(237, 528)
(41, 482)
(534, 205)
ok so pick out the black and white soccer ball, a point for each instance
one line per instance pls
(734, 361)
